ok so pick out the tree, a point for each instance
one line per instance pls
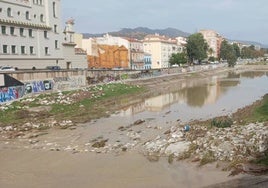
(196, 47)
(211, 59)
(178, 58)
(210, 52)
(237, 50)
(228, 53)
(251, 52)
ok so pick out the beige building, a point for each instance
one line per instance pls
(90, 45)
(160, 48)
(74, 58)
(78, 38)
(214, 41)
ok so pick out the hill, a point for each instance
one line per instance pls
(141, 32)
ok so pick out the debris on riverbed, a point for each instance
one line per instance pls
(249, 168)
(100, 144)
(223, 144)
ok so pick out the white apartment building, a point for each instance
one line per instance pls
(160, 48)
(31, 35)
(111, 40)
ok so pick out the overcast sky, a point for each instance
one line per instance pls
(233, 19)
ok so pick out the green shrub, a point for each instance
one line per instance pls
(222, 122)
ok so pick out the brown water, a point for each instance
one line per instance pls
(204, 98)
(24, 163)
(42, 169)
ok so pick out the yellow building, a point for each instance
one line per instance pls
(161, 48)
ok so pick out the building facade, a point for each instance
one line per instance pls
(136, 54)
(109, 56)
(147, 61)
(74, 58)
(94, 46)
(214, 41)
(90, 46)
(161, 48)
(113, 41)
(31, 34)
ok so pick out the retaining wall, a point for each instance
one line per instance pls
(39, 81)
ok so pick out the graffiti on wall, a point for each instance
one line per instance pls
(11, 93)
(63, 83)
(38, 86)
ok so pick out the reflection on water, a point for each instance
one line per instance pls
(203, 92)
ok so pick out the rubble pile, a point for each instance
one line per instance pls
(237, 142)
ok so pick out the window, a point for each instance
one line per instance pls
(9, 12)
(21, 32)
(46, 51)
(54, 10)
(55, 28)
(13, 49)
(41, 2)
(3, 30)
(12, 30)
(31, 50)
(30, 33)
(42, 18)
(56, 44)
(5, 49)
(45, 35)
(22, 48)
(27, 14)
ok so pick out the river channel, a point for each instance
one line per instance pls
(205, 98)
(66, 158)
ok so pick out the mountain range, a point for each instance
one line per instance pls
(141, 32)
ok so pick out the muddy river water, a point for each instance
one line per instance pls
(65, 158)
(205, 98)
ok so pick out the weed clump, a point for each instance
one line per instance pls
(207, 158)
(221, 122)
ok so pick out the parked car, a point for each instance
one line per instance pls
(7, 68)
(117, 68)
(53, 67)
